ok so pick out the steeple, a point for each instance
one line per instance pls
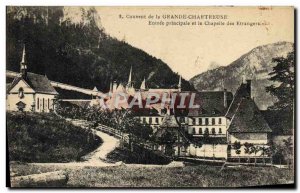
(179, 84)
(23, 65)
(129, 83)
(95, 89)
(110, 87)
(143, 85)
(130, 74)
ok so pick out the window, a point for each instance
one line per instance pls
(213, 131)
(213, 121)
(220, 130)
(43, 104)
(21, 93)
(193, 130)
(220, 120)
(38, 103)
(156, 120)
(48, 104)
(144, 120)
(206, 131)
(200, 121)
(182, 120)
(193, 120)
(206, 121)
(200, 131)
(150, 120)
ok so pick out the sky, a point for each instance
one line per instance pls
(190, 50)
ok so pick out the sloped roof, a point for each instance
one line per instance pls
(8, 85)
(169, 121)
(248, 119)
(211, 103)
(239, 95)
(39, 83)
(83, 104)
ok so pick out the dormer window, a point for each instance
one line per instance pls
(21, 93)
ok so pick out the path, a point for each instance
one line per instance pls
(95, 158)
(109, 144)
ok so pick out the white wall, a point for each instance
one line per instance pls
(152, 118)
(209, 151)
(243, 154)
(198, 124)
(14, 98)
(25, 86)
(255, 138)
(44, 107)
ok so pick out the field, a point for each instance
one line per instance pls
(138, 155)
(34, 137)
(162, 176)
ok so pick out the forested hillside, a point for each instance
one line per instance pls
(78, 51)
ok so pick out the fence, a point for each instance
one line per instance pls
(124, 137)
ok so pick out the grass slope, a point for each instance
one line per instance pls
(189, 176)
(138, 155)
(34, 137)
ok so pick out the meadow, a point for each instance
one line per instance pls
(165, 177)
(38, 137)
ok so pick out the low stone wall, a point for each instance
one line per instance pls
(49, 179)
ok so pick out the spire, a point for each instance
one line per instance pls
(23, 66)
(168, 110)
(95, 89)
(129, 83)
(130, 73)
(110, 87)
(143, 85)
(23, 55)
(179, 84)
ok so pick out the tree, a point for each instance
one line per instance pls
(287, 150)
(248, 147)
(284, 74)
(237, 146)
(264, 152)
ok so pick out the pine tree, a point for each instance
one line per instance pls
(284, 74)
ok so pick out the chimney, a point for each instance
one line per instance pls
(248, 87)
(115, 85)
(225, 98)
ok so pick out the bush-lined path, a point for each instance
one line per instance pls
(95, 158)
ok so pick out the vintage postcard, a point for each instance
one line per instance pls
(153, 97)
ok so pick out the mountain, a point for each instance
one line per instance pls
(254, 65)
(69, 45)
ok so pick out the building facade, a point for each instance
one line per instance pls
(224, 127)
(30, 91)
